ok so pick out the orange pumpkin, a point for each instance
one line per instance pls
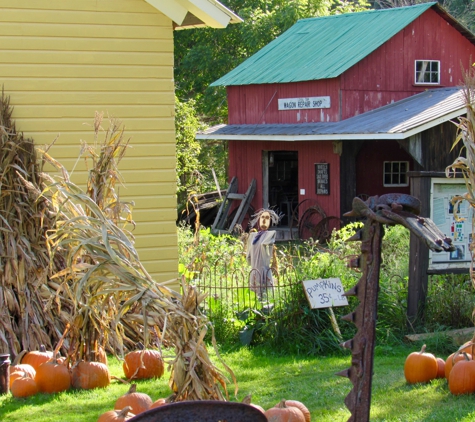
(467, 347)
(18, 371)
(420, 367)
(53, 377)
(282, 413)
(88, 375)
(248, 400)
(116, 415)
(462, 377)
(143, 364)
(37, 357)
(24, 387)
(139, 402)
(158, 403)
(300, 406)
(452, 360)
(440, 368)
(24, 367)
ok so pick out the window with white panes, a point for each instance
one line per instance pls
(427, 72)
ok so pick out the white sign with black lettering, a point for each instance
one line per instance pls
(303, 103)
(324, 293)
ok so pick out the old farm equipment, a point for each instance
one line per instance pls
(315, 224)
(202, 207)
(390, 209)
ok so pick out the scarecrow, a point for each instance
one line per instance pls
(261, 250)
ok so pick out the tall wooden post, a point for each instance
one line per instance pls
(418, 251)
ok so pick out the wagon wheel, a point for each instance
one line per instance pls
(325, 228)
(295, 218)
(309, 225)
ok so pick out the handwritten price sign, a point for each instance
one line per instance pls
(324, 293)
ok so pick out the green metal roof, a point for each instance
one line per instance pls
(323, 47)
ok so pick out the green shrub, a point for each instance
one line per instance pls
(450, 302)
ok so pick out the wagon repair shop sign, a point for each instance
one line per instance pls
(303, 103)
(325, 293)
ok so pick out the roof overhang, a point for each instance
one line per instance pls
(196, 13)
(397, 121)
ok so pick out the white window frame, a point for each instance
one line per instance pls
(424, 72)
(406, 183)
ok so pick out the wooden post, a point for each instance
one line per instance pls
(418, 252)
(421, 182)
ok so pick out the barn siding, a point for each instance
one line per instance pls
(246, 164)
(436, 156)
(369, 173)
(62, 60)
(387, 74)
(253, 104)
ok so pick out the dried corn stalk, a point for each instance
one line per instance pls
(466, 165)
(28, 312)
(83, 272)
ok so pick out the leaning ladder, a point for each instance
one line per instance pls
(220, 223)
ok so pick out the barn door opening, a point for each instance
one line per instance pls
(282, 183)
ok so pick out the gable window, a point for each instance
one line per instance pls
(427, 72)
(395, 173)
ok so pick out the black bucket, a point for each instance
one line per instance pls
(4, 373)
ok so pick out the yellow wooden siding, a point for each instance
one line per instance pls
(63, 60)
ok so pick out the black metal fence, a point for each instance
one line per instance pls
(229, 291)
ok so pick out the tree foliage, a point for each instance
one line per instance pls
(187, 148)
(462, 10)
(196, 160)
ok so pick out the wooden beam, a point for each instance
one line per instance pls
(459, 336)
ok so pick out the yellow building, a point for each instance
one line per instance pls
(63, 60)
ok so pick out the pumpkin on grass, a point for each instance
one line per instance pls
(163, 401)
(116, 415)
(139, 402)
(158, 403)
(462, 376)
(282, 413)
(452, 360)
(18, 371)
(24, 387)
(143, 364)
(467, 347)
(53, 377)
(440, 368)
(37, 357)
(89, 375)
(299, 405)
(420, 367)
(248, 400)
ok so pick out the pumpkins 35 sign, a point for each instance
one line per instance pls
(324, 293)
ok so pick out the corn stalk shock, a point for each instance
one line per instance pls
(390, 209)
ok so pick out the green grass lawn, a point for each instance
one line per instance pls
(269, 378)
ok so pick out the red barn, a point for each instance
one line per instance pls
(346, 105)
